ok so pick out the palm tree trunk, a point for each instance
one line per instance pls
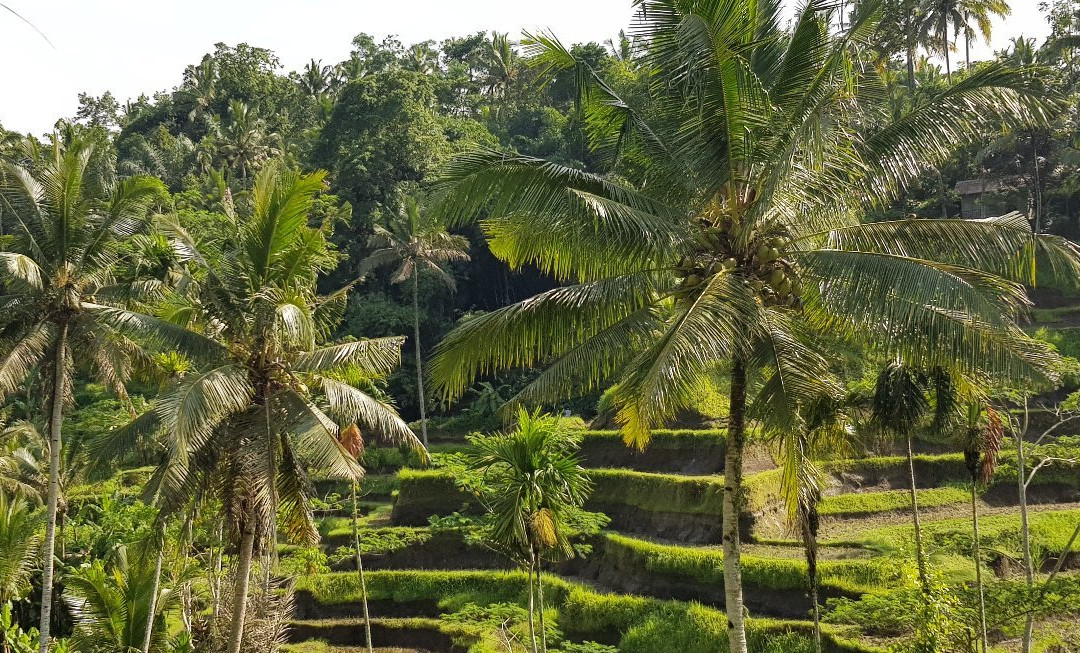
(540, 607)
(532, 604)
(810, 531)
(1025, 539)
(945, 48)
(55, 423)
(360, 569)
(215, 567)
(736, 441)
(967, 42)
(977, 556)
(240, 592)
(920, 558)
(419, 363)
(153, 599)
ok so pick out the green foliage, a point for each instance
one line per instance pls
(869, 503)
(115, 604)
(1050, 532)
(704, 567)
(20, 541)
(14, 637)
(305, 563)
(658, 492)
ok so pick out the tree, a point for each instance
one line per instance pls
(58, 268)
(113, 604)
(1049, 449)
(944, 16)
(383, 132)
(353, 441)
(20, 542)
(199, 94)
(739, 244)
(900, 404)
(980, 438)
(245, 143)
(533, 480)
(413, 241)
(263, 404)
(316, 79)
(821, 430)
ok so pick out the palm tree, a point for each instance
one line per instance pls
(413, 241)
(942, 17)
(114, 603)
(198, 94)
(244, 143)
(352, 440)
(57, 270)
(622, 48)
(316, 79)
(900, 405)
(534, 479)
(821, 429)
(739, 244)
(504, 66)
(263, 406)
(982, 12)
(980, 438)
(20, 542)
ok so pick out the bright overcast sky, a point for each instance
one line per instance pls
(132, 47)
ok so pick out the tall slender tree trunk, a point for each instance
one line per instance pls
(920, 556)
(911, 70)
(55, 423)
(219, 554)
(976, 554)
(271, 461)
(1025, 538)
(736, 441)
(152, 608)
(810, 522)
(240, 591)
(532, 603)
(967, 42)
(945, 47)
(419, 357)
(360, 568)
(540, 607)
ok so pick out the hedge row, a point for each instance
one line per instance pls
(1050, 533)
(706, 566)
(658, 492)
(640, 625)
(869, 503)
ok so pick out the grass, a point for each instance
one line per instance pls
(381, 540)
(658, 492)
(1050, 532)
(706, 566)
(645, 625)
(686, 440)
(867, 503)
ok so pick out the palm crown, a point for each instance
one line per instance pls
(732, 237)
(744, 235)
(267, 397)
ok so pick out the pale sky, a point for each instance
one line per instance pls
(142, 46)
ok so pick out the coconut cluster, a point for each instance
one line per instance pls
(758, 259)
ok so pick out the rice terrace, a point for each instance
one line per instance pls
(624, 326)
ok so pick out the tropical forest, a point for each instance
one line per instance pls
(753, 328)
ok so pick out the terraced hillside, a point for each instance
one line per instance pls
(652, 580)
